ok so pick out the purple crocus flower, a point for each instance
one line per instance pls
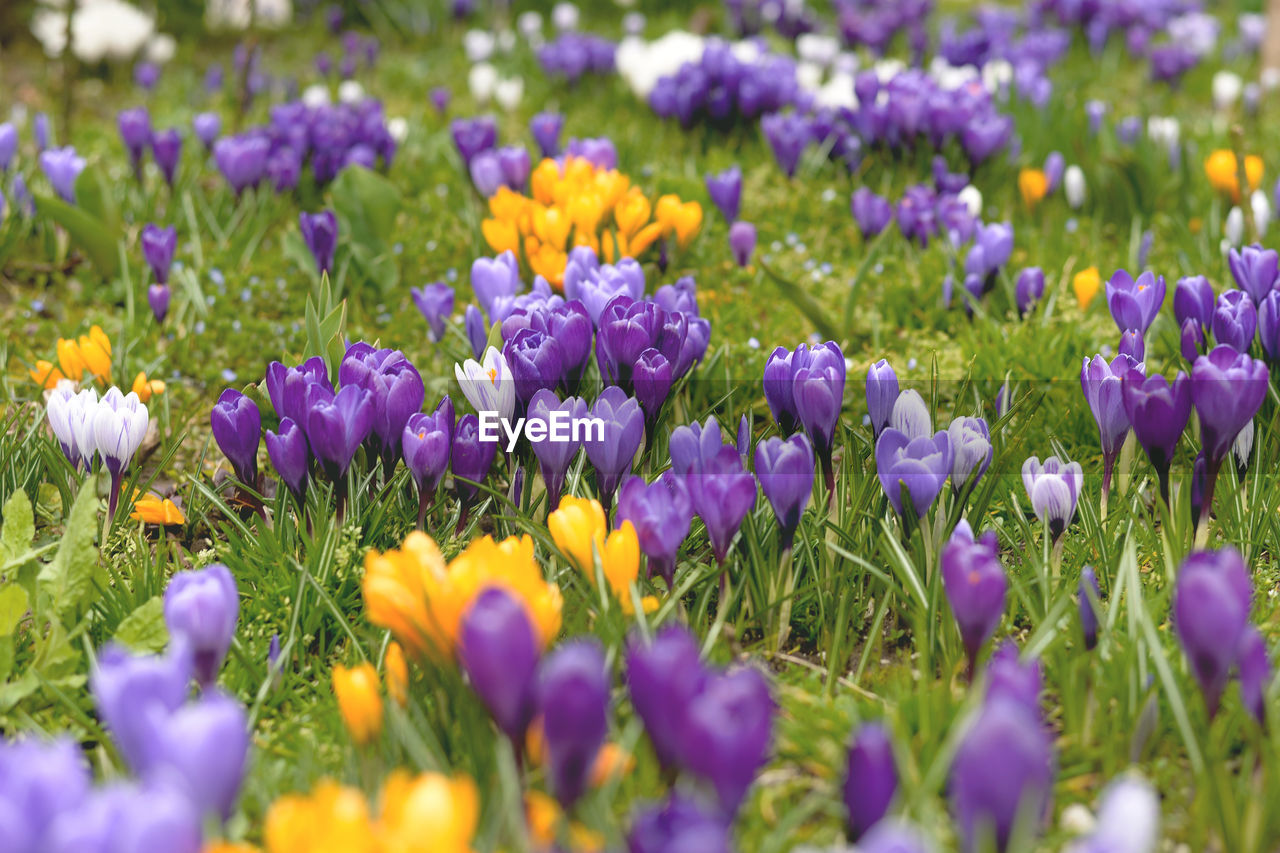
(1132, 345)
(870, 211)
(1253, 664)
(1012, 678)
(396, 390)
(882, 394)
(290, 387)
(971, 451)
(1193, 300)
(1211, 602)
(728, 728)
(1255, 270)
(477, 330)
(435, 301)
(785, 471)
(554, 455)
(573, 694)
(692, 446)
(989, 805)
(499, 651)
(661, 513)
(1102, 384)
(486, 172)
(1090, 607)
(425, 444)
(546, 128)
(320, 232)
(134, 692)
(678, 824)
(1158, 412)
(237, 425)
(1234, 320)
(1269, 325)
(921, 465)
(337, 427)
(1029, 289)
(440, 96)
(135, 132)
(612, 451)
(494, 281)
(8, 145)
(158, 245)
(290, 456)
(166, 147)
(1227, 389)
(202, 607)
(1054, 165)
(42, 130)
(870, 780)
(788, 136)
(201, 750)
(652, 378)
(146, 75)
(470, 460)
(1053, 489)
(1134, 304)
(207, 127)
(742, 242)
(473, 135)
(975, 584)
(46, 786)
(722, 493)
(725, 190)
(242, 160)
(536, 362)
(818, 386)
(62, 166)
(663, 677)
(158, 298)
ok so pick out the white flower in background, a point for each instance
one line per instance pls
(1195, 31)
(119, 425)
(237, 14)
(100, 29)
(508, 92)
(641, 63)
(744, 51)
(350, 92)
(837, 93)
(971, 197)
(887, 69)
(1078, 820)
(1227, 86)
(1164, 131)
(161, 48)
(506, 41)
(478, 45)
(315, 95)
(1128, 819)
(529, 24)
(847, 63)
(818, 49)
(1253, 29)
(398, 127)
(565, 16)
(1073, 186)
(633, 23)
(1269, 78)
(69, 414)
(809, 76)
(488, 387)
(1233, 228)
(1261, 211)
(482, 79)
(997, 75)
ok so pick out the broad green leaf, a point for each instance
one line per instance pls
(13, 692)
(88, 232)
(377, 266)
(93, 195)
(6, 658)
(67, 580)
(144, 630)
(816, 312)
(367, 204)
(13, 606)
(19, 527)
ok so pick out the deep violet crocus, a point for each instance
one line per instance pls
(882, 393)
(237, 425)
(320, 232)
(555, 457)
(1227, 389)
(1090, 607)
(166, 147)
(573, 696)
(158, 245)
(1132, 345)
(1158, 412)
(1234, 320)
(470, 460)
(1255, 270)
(337, 428)
(1102, 384)
(742, 242)
(395, 387)
(728, 729)
(1134, 303)
(663, 677)
(1028, 289)
(290, 456)
(785, 470)
(435, 302)
(135, 131)
(499, 650)
(919, 465)
(425, 444)
(546, 128)
(975, 584)
(871, 212)
(661, 513)
(870, 779)
(725, 190)
(678, 824)
(722, 493)
(613, 449)
(1193, 299)
(1269, 325)
(202, 607)
(788, 135)
(1211, 602)
(290, 388)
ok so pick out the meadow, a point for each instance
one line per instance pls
(934, 507)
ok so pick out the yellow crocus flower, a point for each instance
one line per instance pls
(1086, 284)
(156, 510)
(397, 673)
(331, 819)
(359, 701)
(147, 388)
(429, 813)
(46, 375)
(1034, 186)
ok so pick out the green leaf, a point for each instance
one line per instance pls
(93, 195)
(13, 606)
(367, 204)
(67, 581)
(19, 527)
(378, 266)
(95, 237)
(144, 630)
(816, 312)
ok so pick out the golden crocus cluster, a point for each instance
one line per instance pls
(1223, 170)
(576, 203)
(153, 509)
(578, 528)
(428, 813)
(89, 354)
(360, 703)
(412, 592)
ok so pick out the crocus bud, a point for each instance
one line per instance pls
(1102, 385)
(661, 513)
(819, 397)
(546, 128)
(119, 426)
(652, 379)
(337, 427)
(555, 456)
(742, 242)
(1211, 602)
(207, 127)
(135, 132)
(166, 147)
(725, 190)
(290, 456)
(477, 330)
(202, 607)
(1269, 325)
(320, 232)
(1233, 227)
(722, 494)
(975, 584)
(871, 779)
(871, 212)
(728, 728)
(237, 425)
(613, 449)
(1254, 666)
(158, 245)
(1090, 607)
(435, 301)
(971, 451)
(573, 695)
(663, 677)
(1132, 345)
(8, 145)
(1192, 342)
(910, 415)
(201, 751)
(1193, 300)
(470, 458)
(1053, 489)
(1158, 412)
(779, 390)
(359, 701)
(1029, 289)
(131, 692)
(158, 298)
(785, 471)
(1234, 320)
(499, 650)
(1073, 186)
(882, 395)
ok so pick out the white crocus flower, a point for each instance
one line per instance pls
(350, 92)
(508, 93)
(68, 412)
(529, 24)
(161, 48)
(1128, 819)
(119, 425)
(1073, 186)
(506, 40)
(316, 95)
(971, 197)
(489, 387)
(1227, 86)
(1261, 211)
(478, 45)
(482, 79)
(1233, 228)
(565, 16)
(818, 49)
(398, 127)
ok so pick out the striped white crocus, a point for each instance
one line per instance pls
(119, 425)
(70, 415)
(489, 387)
